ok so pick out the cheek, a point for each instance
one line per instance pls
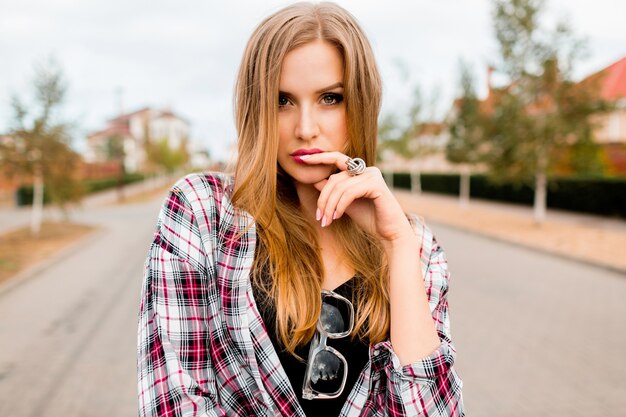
(340, 129)
(283, 131)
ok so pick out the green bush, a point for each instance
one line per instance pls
(106, 183)
(24, 194)
(481, 187)
(435, 183)
(602, 196)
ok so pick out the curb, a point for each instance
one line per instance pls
(31, 272)
(589, 262)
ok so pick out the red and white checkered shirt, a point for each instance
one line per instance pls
(202, 346)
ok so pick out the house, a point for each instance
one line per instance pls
(124, 138)
(611, 82)
(610, 128)
(428, 148)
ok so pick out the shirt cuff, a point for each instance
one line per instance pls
(438, 363)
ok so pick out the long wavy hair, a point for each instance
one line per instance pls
(288, 249)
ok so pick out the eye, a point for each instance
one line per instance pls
(332, 98)
(282, 101)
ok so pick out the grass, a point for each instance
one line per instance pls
(19, 249)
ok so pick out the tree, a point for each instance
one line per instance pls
(467, 132)
(542, 111)
(162, 155)
(39, 148)
(401, 134)
(114, 148)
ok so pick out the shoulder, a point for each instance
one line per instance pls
(199, 186)
(202, 194)
(191, 211)
(434, 266)
(203, 201)
(195, 193)
(421, 229)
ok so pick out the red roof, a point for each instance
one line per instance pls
(117, 129)
(612, 80)
(124, 117)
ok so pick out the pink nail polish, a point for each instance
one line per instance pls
(304, 156)
(324, 221)
(318, 214)
(334, 214)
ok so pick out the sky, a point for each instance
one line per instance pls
(183, 55)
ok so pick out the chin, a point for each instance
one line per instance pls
(309, 175)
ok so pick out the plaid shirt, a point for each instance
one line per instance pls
(202, 346)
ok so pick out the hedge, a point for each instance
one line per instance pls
(602, 196)
(106, 183)
(24, 194)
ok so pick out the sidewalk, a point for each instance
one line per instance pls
(591, 239)
(15, 217)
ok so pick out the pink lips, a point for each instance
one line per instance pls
(298, 153)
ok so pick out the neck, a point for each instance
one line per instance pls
(308, 195)
(336, 268)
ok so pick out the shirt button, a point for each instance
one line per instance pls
(376, 352)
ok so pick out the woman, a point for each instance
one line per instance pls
(298, 285)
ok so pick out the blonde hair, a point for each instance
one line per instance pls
(267, 193)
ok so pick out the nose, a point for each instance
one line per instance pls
(307, 127)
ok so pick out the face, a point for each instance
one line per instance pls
(312, 111)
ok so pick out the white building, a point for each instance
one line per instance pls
(428, 152)
(130, 132)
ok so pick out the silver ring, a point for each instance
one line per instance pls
(356, 166)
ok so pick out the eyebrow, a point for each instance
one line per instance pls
(338, 84)
(330, 87)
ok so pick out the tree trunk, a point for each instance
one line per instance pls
(416, 182)
(541, 192)
(37, 214)
(119, 187)
(464, 194)
(388, 176)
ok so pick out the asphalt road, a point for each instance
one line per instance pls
(68, 335)
(536, 335)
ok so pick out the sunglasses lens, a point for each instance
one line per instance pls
(336, 315)
(327, 372)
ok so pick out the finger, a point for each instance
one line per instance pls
(359, 187)
(319, 186)
(327, 158)
(347, 197)
(337, 197)
(332, 198)
(325, 201)
(340, 191)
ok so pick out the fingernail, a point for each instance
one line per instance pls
(318, 214)
(304, 156)
(334, 214)
(324, 221)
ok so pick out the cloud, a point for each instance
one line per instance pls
(185, 54)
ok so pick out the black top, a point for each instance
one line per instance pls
(354, 350)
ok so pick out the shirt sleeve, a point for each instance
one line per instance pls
(430, 386)
(175, 373)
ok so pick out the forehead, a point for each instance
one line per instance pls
(314, 63)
